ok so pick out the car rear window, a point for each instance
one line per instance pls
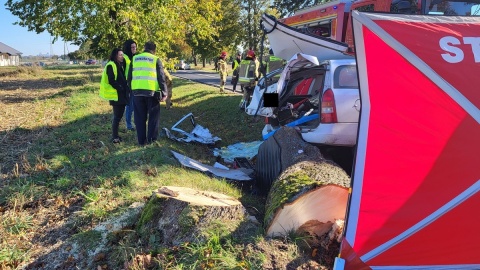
(345, 77)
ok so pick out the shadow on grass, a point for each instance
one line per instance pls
(72, 160)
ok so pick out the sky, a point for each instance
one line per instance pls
(28, 43)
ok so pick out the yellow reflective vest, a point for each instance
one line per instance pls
(235, 64)
(127, 62)
(106, 89)
(144, 75)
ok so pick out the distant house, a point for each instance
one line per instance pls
(9, 56)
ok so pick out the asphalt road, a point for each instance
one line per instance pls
(205, 77)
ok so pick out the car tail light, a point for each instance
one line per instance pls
(329, 112)
(266, 120)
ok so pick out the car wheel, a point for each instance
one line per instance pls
(268, 165)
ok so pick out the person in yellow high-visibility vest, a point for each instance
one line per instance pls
(129, 50)
(235, 69)
(114, 88)
(149, 88)
(248, 89)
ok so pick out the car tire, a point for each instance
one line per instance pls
(268, 165)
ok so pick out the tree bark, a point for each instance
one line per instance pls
(175, 215)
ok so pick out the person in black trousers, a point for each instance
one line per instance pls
(113, 87)
(149, 88)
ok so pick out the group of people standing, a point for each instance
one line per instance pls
(223, 69)
(136, 83)
(254, 74)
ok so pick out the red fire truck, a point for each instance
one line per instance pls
(333, 19)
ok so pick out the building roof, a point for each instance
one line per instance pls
(8, 50)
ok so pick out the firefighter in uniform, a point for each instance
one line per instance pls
(149, 89)
(248, 89)
(223, 70)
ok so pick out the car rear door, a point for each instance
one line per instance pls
(344, 83)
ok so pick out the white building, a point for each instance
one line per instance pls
(9, 56)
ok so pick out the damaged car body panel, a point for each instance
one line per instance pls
(197, 134)
(233, 174)
(308, 88)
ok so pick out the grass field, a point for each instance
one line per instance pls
(61, 175)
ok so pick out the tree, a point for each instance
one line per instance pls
(251, 16)
(107, 24)
(288, 7)
(223, 33)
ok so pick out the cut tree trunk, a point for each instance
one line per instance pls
(308, 192)
(285, 148)
(311, 195)
(175, 215)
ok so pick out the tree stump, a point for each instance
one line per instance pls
(175, 215)
(308, 194)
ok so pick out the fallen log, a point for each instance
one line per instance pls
(309, 192)
(175, 215)
(285, 148)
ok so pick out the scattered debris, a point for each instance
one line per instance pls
(242, 162)
(198, 134)
(220, 166)
(233, 174)
(242, 149)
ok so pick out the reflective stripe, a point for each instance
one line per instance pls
(458, 200)
(144, 75)
(428, 267)
(144, 78)
(143, 68)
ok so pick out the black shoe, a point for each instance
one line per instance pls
(117, 140)
(131, 129)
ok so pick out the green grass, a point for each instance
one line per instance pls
(69, 158)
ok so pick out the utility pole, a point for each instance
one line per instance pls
(51, 49)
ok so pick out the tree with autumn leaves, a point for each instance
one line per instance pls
(180, 28)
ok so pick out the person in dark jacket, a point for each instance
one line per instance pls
(149, 88)
(129, 50)
(236, 69)
(114, 88)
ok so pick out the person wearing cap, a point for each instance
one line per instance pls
(223, 70)
(248, 89)
(149, 88)
(236, 69)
